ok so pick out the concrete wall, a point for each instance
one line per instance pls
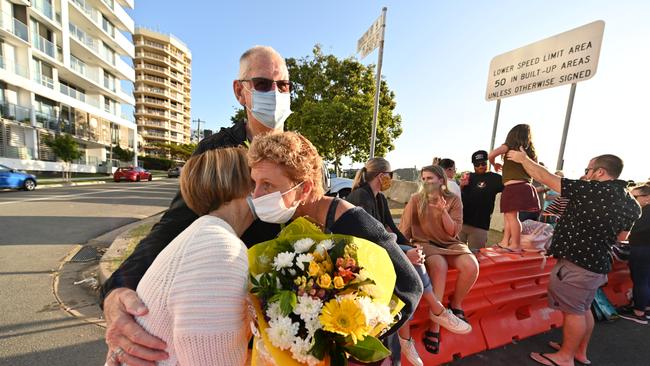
(401, 191)
(39, 165)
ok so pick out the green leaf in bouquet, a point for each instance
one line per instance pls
(370, 349)
(338, 250)
(338, 356)
(288, 301)
(322, 344)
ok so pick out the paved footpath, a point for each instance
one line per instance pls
(38, 230)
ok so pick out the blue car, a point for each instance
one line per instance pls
(12, 178)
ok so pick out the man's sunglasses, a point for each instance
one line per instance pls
(266, 85)
(483, 163)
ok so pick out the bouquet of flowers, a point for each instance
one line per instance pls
(320, 298)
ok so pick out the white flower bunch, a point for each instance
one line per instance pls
(374, 312)
(283, 260)
(303, 245)
(324, 246)
(282, 332)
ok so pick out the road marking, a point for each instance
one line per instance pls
(83, 194)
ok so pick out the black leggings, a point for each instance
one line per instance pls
(640, 271)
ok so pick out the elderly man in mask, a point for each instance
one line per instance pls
(263, 89)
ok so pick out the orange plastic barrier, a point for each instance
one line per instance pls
(508, 302)
(619, 283)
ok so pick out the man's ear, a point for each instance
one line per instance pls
(238, 89)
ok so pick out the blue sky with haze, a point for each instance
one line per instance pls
(436, 61)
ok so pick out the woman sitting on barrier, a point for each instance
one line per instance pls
(375, 177)
(433, 218)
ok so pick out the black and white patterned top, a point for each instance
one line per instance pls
(597, 212)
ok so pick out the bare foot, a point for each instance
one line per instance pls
(580, 358)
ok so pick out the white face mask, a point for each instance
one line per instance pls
(271, 108)
(270, 207)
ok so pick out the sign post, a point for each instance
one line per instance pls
(566, 58)
(373, 38)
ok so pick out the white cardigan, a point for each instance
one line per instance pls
(196, 294)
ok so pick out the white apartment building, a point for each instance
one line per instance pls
(62, 63)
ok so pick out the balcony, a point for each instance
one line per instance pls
(47, 120)
(154, 79)
(44, 80)
(76, 94)
(151, 55)
(17, 152)
(117, 14)
(80, 68)
(83, 38)
(152, 112)
(154, 102)
(43, 45)
(155, 134)
(94, 16)
(13, 67)
(44, 8)
(13, 26)
(16, 113)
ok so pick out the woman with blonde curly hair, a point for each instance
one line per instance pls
(287, 172)
(432, 218)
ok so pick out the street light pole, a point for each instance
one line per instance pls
(198, 128)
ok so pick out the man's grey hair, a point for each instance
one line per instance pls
(256, 51)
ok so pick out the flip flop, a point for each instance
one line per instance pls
(556, 346)
(542, 359)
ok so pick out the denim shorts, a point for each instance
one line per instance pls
(572, 288)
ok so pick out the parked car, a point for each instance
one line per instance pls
(12, 178)
(133, 174)
(339, 187)
(174, 172)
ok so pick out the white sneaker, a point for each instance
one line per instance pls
(451, 322)
(408, 350)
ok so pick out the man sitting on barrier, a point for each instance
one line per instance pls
(600, 212)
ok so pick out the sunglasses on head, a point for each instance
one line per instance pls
(266, 85)
(483, 163)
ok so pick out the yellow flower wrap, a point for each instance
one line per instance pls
(371, 257)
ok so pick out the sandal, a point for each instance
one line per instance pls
(431, 345)
(556, 346)
(460, 314)
(542, 359)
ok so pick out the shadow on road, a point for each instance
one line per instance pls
(88, 353)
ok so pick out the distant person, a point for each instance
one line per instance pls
(449, 166)
(479, 190)
(262, 87)
(432, 219)
(370, 181)
(600, 212)
(518, 192)
(639, 261)
(196, 288)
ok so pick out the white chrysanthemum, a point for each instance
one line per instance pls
(300, 349)
(308, 307)
(375, 312)
(301, 259)
(312, 325)
(324, 246)
(283, 260)
(303, 245)
(282, 332)
(273, 310)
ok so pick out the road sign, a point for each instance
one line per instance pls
(565, 58)
(370, 40)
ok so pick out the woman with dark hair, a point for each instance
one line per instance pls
(370, 181)
(518, 192)
(433, 219)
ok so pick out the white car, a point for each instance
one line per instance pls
(339, 187)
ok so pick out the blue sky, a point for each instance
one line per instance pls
(436, 60)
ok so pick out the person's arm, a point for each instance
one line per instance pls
(496, 153)
(406, 220)
(207, 302)
(536, 171)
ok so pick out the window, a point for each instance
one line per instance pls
(109, 105)
(108, 27)
(107, 54)
(109, 81)
(43, 73)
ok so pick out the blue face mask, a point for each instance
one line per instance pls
(271, 108)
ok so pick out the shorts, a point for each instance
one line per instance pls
(572, 288)
(519, 197)
(475, 238)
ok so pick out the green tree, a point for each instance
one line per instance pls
(333, 100)
(123, 154)
(66, 149)
(178, 151)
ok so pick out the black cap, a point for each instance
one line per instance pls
(479, 156)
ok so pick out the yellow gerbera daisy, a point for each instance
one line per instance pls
(344, 317)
